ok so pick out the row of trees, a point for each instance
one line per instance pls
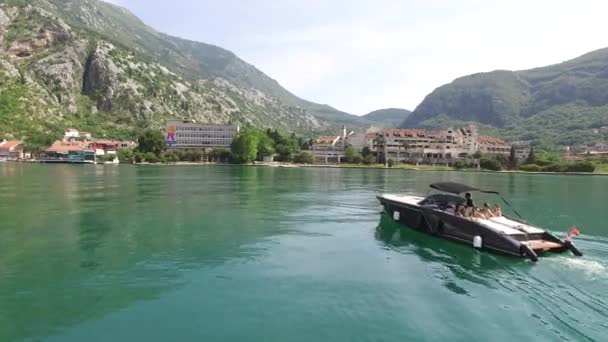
(537, 161)
(251, 144)
(254, 144)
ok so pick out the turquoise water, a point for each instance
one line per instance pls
(122, 253)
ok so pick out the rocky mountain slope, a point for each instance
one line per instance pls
(95, 66)
(565, 104)
(389, 117)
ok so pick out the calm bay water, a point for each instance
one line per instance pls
(122, 253)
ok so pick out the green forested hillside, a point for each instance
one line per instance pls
(562, 104)
(92, 65)
(389, 117)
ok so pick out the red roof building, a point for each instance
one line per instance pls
(11, 149)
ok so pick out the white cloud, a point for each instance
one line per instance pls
(363, 64)
(363, 55)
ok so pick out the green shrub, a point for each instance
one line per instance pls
(125, 155)
(544, 162)
(530, 168)
(583, 166)
(489, 164)
(459, 164)
(108, 157)
(553, 167)
(304, 158)
(139, 157)
(369, 159)
(391, 162)
(150, 157)
(351, 155)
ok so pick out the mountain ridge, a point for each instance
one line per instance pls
(389, 117)
(214, 61)
(569, 99)
(96, 66)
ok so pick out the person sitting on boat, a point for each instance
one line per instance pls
(459, 211)
(480, 214)
(487, 211)
(497, 211)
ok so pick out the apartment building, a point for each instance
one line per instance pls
(186, 134)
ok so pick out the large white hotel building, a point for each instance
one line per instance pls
(186, 134)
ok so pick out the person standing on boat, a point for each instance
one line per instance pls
(470, 207)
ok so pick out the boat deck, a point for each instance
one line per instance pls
(542, 245)
(510, 227)
(502, 224)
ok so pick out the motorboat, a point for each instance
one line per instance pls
(438, 214)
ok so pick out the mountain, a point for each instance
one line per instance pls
(92, 65)
(389, 117)
(562, 104)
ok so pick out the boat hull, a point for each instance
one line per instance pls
(464, 230)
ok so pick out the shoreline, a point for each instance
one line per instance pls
(354, 166)
(375, 166)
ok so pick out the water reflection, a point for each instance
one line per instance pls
(103, 240)
(461, 261)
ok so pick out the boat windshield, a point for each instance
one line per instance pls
(442, 201)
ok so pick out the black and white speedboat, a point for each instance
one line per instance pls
(435, 215)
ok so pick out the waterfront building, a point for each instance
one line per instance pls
(493, 146)
(418, 145)
(184, 134)
(104, 146)
(330, 148)
(413, 145)
(11, 149)
(70, 151)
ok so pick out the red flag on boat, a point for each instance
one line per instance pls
(574, 231)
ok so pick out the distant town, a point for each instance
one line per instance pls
(452, 146)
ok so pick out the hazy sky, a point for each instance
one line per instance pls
(360, 56)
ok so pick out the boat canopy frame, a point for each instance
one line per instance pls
(458, 188)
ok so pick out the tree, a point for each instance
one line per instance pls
(265, 145)
(503, 161)
(477, 155)
(125, 155)
(245, 146)
(380, 143)
(139, 157)
(304, 158)
(172, 157)
(352, 155)
(369, 159)
(150, 157)
(531, 157)
(489, 164)
(151, 140)
(366, 151)
(286, 152)
(223, 154)
(512, 158)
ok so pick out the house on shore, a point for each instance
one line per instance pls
(70, 152)
(11, 149)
